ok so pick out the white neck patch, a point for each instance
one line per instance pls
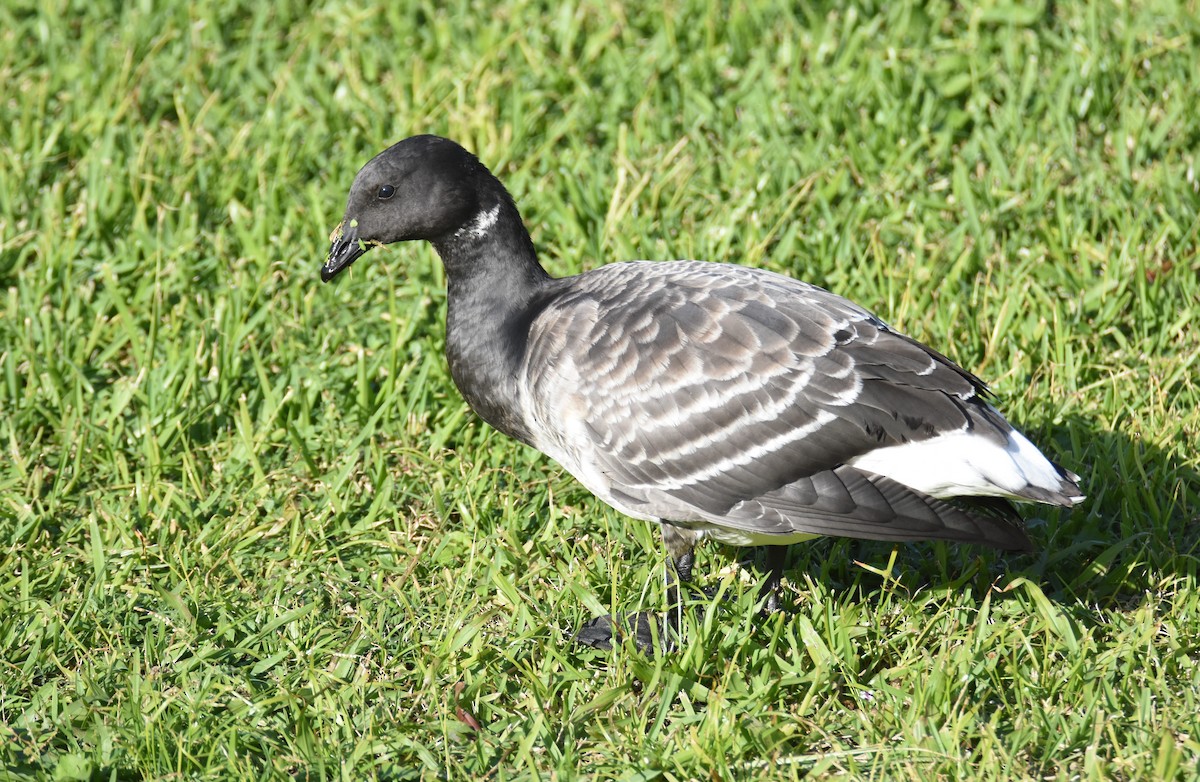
(480, 224)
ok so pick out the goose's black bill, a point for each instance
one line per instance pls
(344, 249)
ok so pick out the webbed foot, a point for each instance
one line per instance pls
(646, 628)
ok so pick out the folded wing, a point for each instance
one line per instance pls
(696, 392)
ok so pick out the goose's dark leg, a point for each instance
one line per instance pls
(681, 545)
(776, 559)
(683, 575)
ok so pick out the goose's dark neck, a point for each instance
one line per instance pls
(495, 288)
(492, 249)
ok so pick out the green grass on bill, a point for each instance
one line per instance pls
(248, 528)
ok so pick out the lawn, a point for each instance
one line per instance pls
(249, 529)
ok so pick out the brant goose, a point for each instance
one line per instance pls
(716, 400)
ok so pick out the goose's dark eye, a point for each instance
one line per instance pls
(386, 191)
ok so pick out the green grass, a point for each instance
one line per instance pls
(248, 529)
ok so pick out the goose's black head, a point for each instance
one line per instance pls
(424, 187)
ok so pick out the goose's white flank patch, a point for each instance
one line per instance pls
(481, 224)
(964, 464)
